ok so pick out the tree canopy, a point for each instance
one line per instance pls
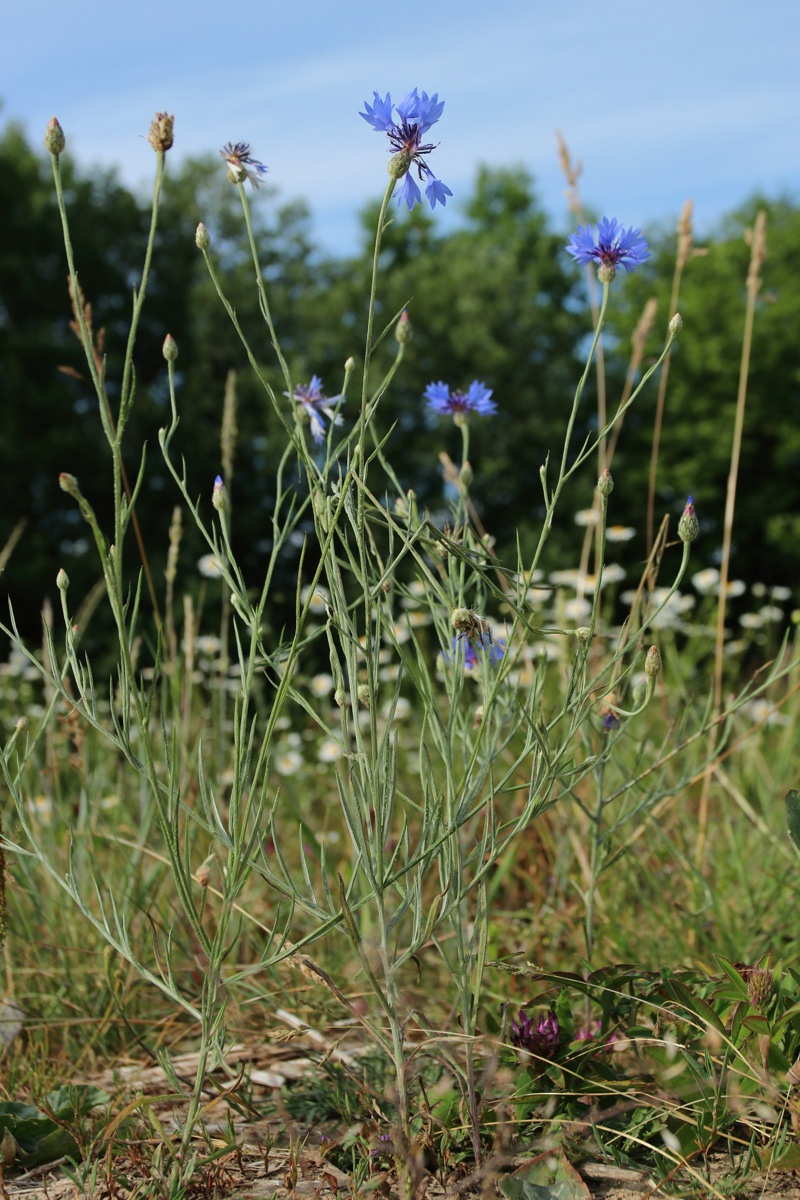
(495, 299)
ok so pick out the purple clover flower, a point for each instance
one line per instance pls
(610, 247)
(315, 403)
(416, 113)
(539, 1037)
(477, 399)
(241, 164)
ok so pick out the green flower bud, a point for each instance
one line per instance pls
(676, 325)
(363, 694)
(688, 526)
(54, 139)
(652, 663)
(62, 580)
(219, 495)
(170, 348)
(69, 484)
(465, 476)
(202, 238)
(605, 484)
(403, 330)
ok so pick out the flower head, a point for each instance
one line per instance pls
(473, 648)
(688, 526)
(477, 399)
(416, 113)
(241, 164)
(610, 247)
(540, 1038)
(314, 403)
(160, 135)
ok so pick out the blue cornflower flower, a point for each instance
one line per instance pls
(473, 647)
(241, 164)
(416, 112)
(477, 399)
(609, 247)
(314, 402)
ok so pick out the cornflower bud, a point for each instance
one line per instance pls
(203, 874)
(349, 365)
(68, 483)
(219, 496)
(160, 133)
(339, 697)
(54, 139)
(676, 325)
(688, 526)
(62, 580)
(652, 663)
(465, 476)
(363, 694)
(170, 348)
(605, 484)
(202, 238)
(403, 330)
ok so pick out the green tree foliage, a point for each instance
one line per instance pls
(701, 398)
(497, 299)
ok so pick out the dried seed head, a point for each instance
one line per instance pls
(468, 622)
(160, 133)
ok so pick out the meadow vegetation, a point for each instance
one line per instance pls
(389, 709)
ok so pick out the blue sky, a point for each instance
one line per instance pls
(660, 101)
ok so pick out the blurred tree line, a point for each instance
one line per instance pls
(497, 299)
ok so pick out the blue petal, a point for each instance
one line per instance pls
(437, 191)
(480, 399)
(409, 192)
(379, 114)
(408, 107)
(317, 425)
(429, 111)
(438, 397)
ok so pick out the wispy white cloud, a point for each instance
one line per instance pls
(704, 102)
